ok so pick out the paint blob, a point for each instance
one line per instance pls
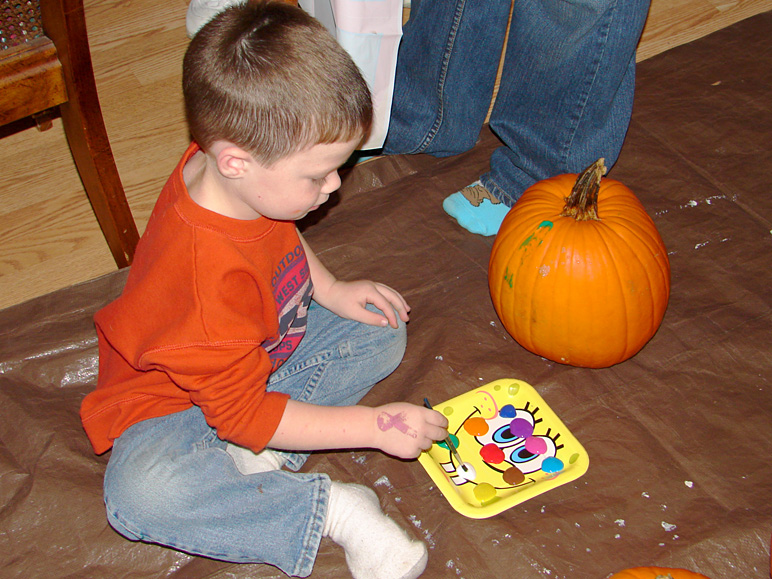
(535, 445)
(466, 471)
(484, 492)
(492, 454)
(508, 411)
(521, 428)
(513, 476)
(453, 440)
(552, 464)
(476, 426)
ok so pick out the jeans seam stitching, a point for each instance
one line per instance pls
(314, 380)
(317, 360)
(443, 75)
(582, 104)
(315, 525)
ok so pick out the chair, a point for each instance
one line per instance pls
(45, 63)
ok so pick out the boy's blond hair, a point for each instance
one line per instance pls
(270, 79)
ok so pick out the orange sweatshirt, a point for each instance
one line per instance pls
(211, 307)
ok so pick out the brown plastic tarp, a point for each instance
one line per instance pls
(679, 437)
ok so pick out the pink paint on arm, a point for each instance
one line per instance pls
(388, 421)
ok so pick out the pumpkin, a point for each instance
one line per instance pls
(656, 573)
(578, 272)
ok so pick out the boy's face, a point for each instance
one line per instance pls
(295, 185)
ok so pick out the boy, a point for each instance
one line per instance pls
(214, 361)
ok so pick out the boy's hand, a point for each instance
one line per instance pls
(349, 299)
(404, 430)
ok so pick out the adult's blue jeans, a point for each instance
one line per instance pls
(566, 90)
(170, 481)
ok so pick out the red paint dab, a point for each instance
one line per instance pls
(492, 454)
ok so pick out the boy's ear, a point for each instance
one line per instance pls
(232, 161)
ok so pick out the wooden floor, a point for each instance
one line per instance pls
(49, 237)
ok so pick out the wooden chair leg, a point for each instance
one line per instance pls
(85, 129)
(94, 159)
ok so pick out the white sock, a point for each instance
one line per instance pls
(249, 462)
(375, 546)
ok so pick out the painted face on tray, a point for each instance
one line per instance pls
(510, 441)
(508, 445)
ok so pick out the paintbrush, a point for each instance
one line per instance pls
(461, 464)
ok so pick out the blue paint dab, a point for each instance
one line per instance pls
(508, 411)
(552, 464)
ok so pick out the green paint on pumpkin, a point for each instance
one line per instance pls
(544, 224)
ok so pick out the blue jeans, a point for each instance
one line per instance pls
(169, 480)
(566, 90)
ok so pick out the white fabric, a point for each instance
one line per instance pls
(375, 546)
(370, 31)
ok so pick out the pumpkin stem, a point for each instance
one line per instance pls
(582, 204)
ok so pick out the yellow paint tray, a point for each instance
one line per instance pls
(515, 444)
